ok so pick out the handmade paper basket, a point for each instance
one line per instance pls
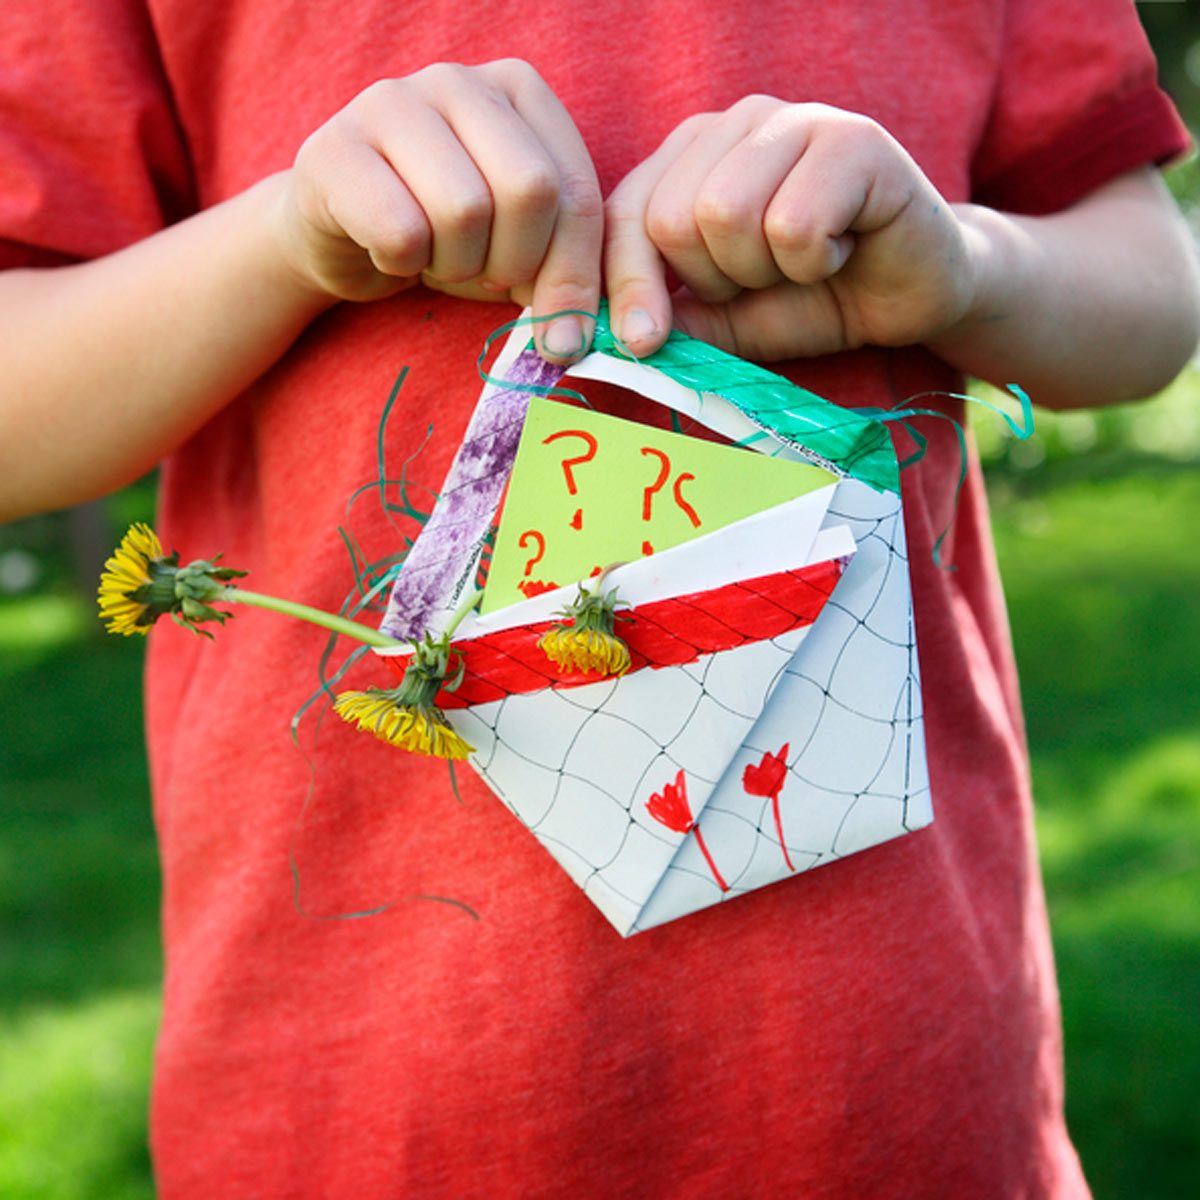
(771, 719)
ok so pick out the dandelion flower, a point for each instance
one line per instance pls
(422, 729)
(407, 716)
(131, 569)
(585, 641)
(140, 584)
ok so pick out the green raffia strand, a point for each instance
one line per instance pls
(842, 438)
(532, 389)
(834, 437)
(297, 716)
(364, 576)
(368, 587)
(406, 506)
(390, 565)
(902, 416)
(327, 682)
(380, 456)
(454, 781)
(360, 597)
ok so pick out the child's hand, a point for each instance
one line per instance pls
(796, 229)
(472, 180)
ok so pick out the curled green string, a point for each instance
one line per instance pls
(370, 581)
(903, 416)
(532, 389)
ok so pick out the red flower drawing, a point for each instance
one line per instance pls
(670, 808)
(767, 778)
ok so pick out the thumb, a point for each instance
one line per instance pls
(785, 321)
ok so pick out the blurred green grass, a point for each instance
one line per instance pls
(80, 964)
(1102, 577)
(1096, 528)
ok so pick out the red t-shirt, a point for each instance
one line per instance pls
(886, 1026)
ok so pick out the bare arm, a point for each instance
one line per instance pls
(798, 229)
(1092, 306)
(110, 364)
(471, 180)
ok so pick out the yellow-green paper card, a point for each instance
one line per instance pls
(588, 490)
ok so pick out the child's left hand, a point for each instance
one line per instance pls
(796, 229)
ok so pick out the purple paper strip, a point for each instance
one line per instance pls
(441, 564)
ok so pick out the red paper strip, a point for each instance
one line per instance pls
(662, 633)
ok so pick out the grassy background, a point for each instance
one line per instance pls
(79, 956)
(1096, 525)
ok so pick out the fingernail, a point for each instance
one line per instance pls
(638, 326)
(841, 249)
(563, 338)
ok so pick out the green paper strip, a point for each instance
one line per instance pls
(842, 439)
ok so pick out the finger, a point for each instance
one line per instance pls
(673, 216)
(785, 321)
(358, 194)
(634, 270)
(443, 178)
(733, 198)
(522, 176)
(850, 180)
(569, 277)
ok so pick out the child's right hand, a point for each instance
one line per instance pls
(471, 180)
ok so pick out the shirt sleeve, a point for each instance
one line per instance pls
(1077, 104)
(91, 154)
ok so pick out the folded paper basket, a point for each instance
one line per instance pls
(771, 719)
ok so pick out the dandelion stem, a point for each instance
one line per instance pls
(314, 616)
(460, 613)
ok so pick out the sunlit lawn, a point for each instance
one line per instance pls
(1102, 570)
(1103, 580)
(79, 960)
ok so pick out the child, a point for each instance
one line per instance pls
(885, 1027)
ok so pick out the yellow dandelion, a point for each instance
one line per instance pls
(586, 640)
(588, 650)
(408, 716)
(421, 728)
(140, 584)
(128, 580)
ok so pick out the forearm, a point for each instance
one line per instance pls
(1092, 306)
(110, 364)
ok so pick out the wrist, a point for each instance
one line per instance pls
(288, 262)
(992, 269)
(319, 262)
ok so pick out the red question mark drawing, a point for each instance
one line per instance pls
(569, 464)
(692, 515)
(664, 473)
(523, 540)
